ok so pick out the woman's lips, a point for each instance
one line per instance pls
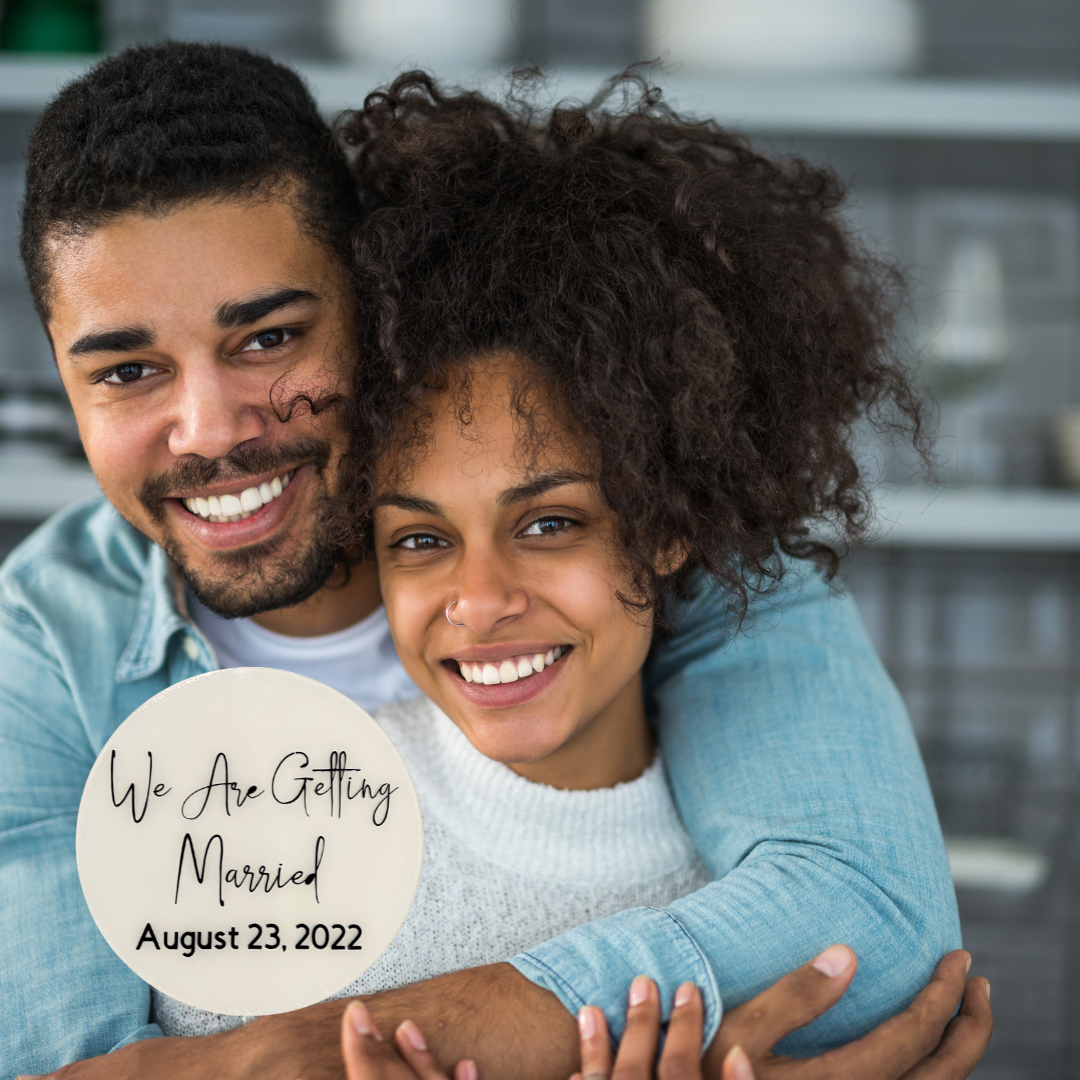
(505, 695)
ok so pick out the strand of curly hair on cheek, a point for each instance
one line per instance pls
(702, 312)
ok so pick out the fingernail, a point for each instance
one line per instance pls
(987, 991)
(467, 1070)
(739, 1064)
(587, 1023)
(639, 990)
(684, 995)
(968, 968)
(412, 1035)
(358, 1017)
(833, 961)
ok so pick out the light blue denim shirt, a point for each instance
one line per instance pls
(789, 751)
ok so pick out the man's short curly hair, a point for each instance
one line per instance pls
(158, 126)
(700, 310)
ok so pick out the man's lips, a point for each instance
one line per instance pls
(240, 503)
(246, 527)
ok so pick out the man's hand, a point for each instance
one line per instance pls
(923, 1042)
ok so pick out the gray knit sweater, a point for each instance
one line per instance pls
(508, 863)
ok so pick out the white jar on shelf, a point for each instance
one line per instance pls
(786, 37)
(445, 34)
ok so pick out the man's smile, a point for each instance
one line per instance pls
(253, 511)
(238, 505)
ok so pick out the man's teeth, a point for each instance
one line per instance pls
(241, 505)
(509, 670)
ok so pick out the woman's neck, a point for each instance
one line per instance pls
(616, 746)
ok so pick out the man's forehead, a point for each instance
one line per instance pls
(213, 261)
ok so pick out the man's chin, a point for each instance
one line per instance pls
(257, 579)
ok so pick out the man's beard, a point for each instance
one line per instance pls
(256, 578)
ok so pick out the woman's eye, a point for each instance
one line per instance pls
(422, 542)
(547, 526)
(268, 339)
(126, 373)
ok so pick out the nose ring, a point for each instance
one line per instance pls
(448, 619)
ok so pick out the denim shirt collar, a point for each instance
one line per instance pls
(161, 614)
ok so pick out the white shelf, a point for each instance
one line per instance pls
(978, 519)
(917, 108)
(35, 486)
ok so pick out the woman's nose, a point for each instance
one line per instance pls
(487, 594)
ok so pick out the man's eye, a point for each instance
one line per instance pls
(548, 526)
(422, 542)
(126, 373)
(268, 339)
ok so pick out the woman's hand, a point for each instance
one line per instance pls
(681, 1056)
(368, 1056)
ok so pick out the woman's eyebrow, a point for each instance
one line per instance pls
(404, 501)
(540, 485)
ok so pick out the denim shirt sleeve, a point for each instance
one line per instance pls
(65, 993)
(797, 774)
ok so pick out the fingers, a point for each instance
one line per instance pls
(681, 1059)
(897, 1045)
(362, 1046)
(736, 1065)
(791, 1003)
(637, 1051)
(595, 1044)
(369, 1057)
(965, 1039)
(414, 1049)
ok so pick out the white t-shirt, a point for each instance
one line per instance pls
(359, 661)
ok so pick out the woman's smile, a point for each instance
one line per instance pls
(512, 675)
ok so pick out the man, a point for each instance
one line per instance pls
(184, 236)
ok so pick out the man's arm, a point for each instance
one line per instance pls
(798, 777)
(65, 993)
(800, 707)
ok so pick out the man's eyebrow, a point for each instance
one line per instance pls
(541, 485)
(122, 339)
(244, 312)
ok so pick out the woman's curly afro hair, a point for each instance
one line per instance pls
(699, 310)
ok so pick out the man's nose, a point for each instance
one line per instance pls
(488, 592)
(215, 410)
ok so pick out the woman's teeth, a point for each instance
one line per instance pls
(241, 505)
(509, 670)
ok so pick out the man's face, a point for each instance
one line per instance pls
(175, 336)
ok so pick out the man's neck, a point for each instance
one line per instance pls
(350, 595)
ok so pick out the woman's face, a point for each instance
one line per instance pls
(543, 672)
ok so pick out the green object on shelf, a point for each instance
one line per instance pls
(56, 26)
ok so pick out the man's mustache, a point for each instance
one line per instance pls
(239, 464)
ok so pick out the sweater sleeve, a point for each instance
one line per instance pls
(797, 774)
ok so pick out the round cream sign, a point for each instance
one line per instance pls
(249, 841)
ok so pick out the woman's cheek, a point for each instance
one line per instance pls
(408, 607)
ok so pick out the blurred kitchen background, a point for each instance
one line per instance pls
(957, 125)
